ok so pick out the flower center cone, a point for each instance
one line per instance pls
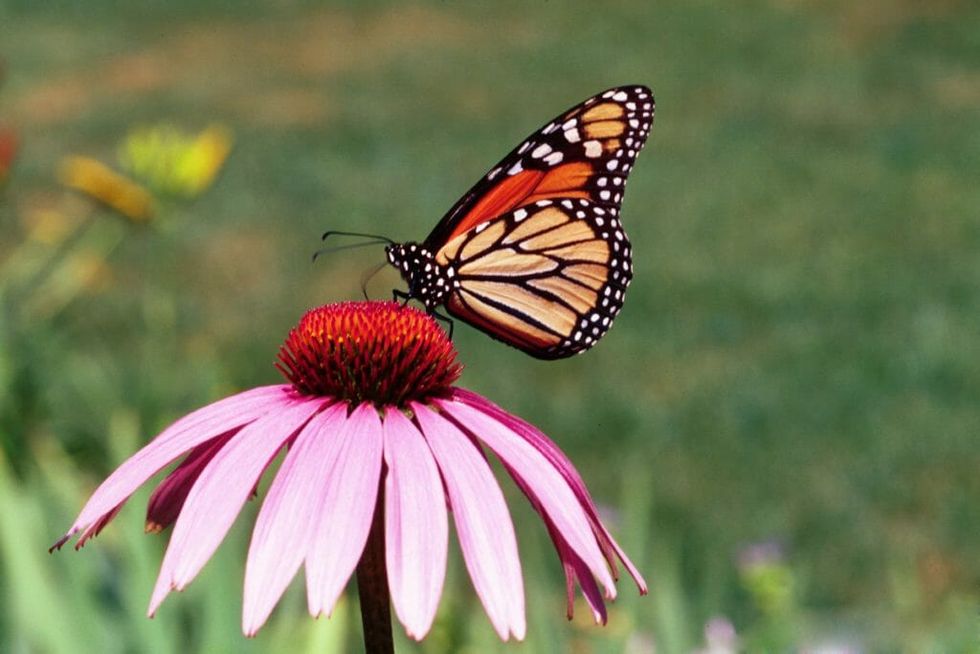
(379, 352)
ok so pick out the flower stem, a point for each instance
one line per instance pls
(372, 586)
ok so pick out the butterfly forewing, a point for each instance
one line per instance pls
(547, 278)
(534, 254)
(585, 153)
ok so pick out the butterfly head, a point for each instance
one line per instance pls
(428, 281)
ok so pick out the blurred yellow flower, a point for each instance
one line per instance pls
(100, 182)
(174, 162)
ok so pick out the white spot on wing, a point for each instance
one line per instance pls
(541, 150)
(593, 149)
(554, 158)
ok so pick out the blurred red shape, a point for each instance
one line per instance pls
(8, 149)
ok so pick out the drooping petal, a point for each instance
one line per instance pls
(416, 525)
(347, 506)
(186, 433)
(573, 566)
(547, 447)
(545, 482)
(285, 523)
(483, 524)
(221, 491)
(94, 529)
(576, 570)
(168, 497)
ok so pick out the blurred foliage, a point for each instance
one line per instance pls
(797, 361)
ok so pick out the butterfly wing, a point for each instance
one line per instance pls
(585, 153)
(547, 278)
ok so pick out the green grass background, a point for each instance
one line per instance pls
(797, 361)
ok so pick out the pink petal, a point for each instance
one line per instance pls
(576, 570)
(546, 483)
(284, 527)
(220, 492)
(483, 524)
(547, 447)
(93, 529)
(416, 525)
(186, 433)
(168, 497)
(573, 566)
(347, 507)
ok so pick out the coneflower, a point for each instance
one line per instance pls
(378, 442)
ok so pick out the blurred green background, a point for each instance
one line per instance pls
(782, 425)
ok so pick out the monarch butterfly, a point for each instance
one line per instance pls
(534, 254)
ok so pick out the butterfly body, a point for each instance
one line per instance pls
(534, 254)
(428, 281)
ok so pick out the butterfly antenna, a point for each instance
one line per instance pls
(376, 237)
(365, 278)
(338, 248)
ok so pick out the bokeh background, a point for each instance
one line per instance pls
(782, 425)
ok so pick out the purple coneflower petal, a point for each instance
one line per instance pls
(483, 524)
(573, 566)
(168, 497)
(283, 529)
(220, 492)
(348, 498)
(547, 447)
(576, 570)
(181, 436)
(416, 525)
(545, 482)
(93, 529)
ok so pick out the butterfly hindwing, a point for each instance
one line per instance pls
(585, 153)
(547, 278)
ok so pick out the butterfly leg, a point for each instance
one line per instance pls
(446, 319)
(397, 295)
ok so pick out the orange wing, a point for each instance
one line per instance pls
(585, 153)
(547, 278)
